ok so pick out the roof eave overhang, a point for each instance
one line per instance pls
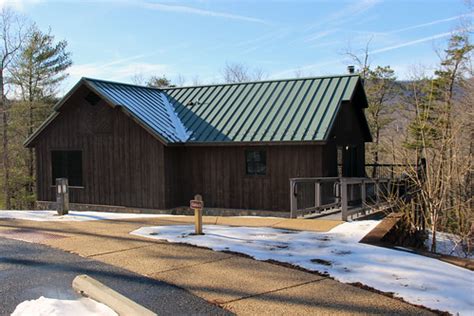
(259, 143)
(30, 140)
(360, 87)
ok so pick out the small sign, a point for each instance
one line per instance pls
(195, 204)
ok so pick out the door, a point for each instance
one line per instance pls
(347, 161)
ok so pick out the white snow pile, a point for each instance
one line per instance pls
(73, 216)
(448, 244)
(417, 279)
(54, 307)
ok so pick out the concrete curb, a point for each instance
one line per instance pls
(97, 291)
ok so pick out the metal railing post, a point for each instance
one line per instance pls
(344, 197)
(293, 200)
(317, 194)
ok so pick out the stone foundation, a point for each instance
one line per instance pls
(50, 205)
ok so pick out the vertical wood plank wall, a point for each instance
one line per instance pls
(122, 163)
(219, 175)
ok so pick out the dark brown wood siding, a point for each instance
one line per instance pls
(347, 130)
(125, 165)
(219, 175)
(122, 163)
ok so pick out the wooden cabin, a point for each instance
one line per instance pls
(237, 145)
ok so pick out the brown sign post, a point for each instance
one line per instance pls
(197, 205)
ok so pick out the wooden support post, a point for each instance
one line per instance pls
(344, 197)
(363, 192)
(197, 205)
(293, 200)
(317, 194)
(198, 221)
(62, 196)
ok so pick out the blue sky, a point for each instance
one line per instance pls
(117, 40)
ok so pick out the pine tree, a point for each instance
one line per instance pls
(158, 82)
(422, 130)
(38, 71)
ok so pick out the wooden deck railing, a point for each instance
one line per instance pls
(349, 196)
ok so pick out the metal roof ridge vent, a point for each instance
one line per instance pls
(181, 133)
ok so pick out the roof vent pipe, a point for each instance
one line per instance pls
(351, 69)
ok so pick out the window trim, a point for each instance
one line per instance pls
(53, 184)
(261, 175)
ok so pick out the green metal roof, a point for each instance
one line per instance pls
(302, 109)
(277, 110)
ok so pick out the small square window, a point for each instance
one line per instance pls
(67, 164)
(256, 162)
(92, 98)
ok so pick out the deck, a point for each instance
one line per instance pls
(340, 198)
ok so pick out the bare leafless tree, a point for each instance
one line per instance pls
(300, 73)
(138, 79)
(179, 80)
(196, 81)
(361, 58)
(238, 72)
(440, 190)
(440, 137)
(12, 36)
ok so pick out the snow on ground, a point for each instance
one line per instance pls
(53, 307)
(73, 216)
(448, 244)
(416, 279)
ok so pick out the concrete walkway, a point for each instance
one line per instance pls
(239, 284)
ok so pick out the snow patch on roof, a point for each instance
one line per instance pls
(181, 132)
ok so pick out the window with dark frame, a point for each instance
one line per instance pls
(67, 164)
(256, 162)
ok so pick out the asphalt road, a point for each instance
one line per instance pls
(28, 271)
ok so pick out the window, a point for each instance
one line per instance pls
(256, 162)
(67, 164)
(92, 98)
